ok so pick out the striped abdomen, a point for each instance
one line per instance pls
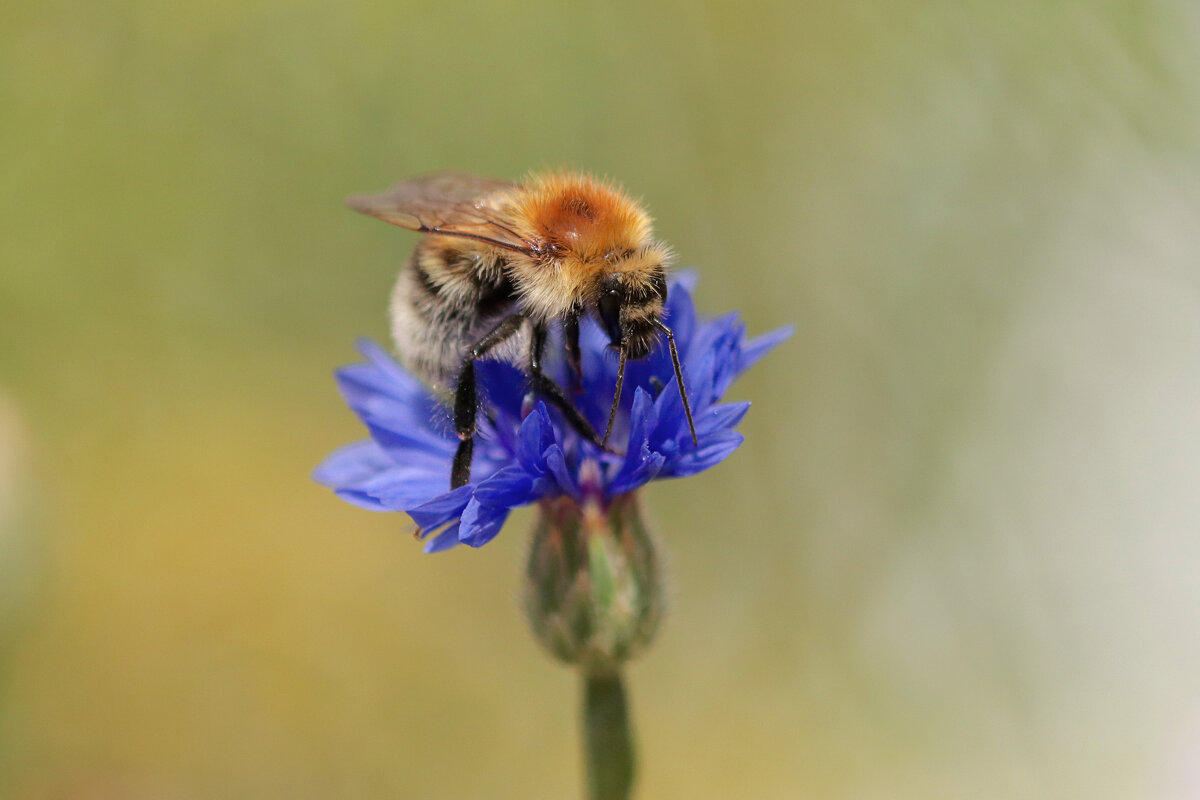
(448, 297)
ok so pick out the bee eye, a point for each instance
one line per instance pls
(609, 307)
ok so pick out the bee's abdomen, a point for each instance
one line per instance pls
(446, 299)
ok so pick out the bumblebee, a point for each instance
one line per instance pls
(500, 262)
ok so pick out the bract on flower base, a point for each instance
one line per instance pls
(593, 592)
(526, 451)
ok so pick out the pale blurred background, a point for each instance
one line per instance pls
(957, 557)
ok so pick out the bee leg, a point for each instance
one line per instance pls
(545, 386)
(460, 473)
(574, 356)
(465, 401)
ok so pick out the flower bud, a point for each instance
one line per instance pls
(593, 590)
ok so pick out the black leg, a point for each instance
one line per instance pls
(460, 473)
(612, 414)
(687, 407)
(465, 401)
(546, 387)
(574, 356)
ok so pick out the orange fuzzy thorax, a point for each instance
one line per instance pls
(580, 216)
(585, 229)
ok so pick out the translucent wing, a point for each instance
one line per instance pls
(449, 204)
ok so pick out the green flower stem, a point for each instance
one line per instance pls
(607, 738)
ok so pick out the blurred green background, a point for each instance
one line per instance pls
(958, 555)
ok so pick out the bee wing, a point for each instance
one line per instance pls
(449, 204)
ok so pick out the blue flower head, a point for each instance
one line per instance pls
(526, 451)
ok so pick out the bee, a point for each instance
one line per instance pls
(500, 262)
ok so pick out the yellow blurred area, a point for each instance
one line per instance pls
(956, 557)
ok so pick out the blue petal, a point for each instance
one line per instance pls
(395, 374)
(599, 363)
(357, 497)
(389, 393)
(441, 509)
(501, 387)
(443, 541)
(712, 451)
(668, 407)
(716, 345)
(756, 348)
(643, 418)
(688, 279)
(535, 436)
(406, 488)
(352, 463)
(638, 471)
(725, 363)
(481, 523)
(640, 463)
(721, 417)
(497, 431)
(365, 383)
(557, 463)
(511, 486)
(672, 430)
(681, 316)
(701, 375)
(407, 445)
(364, 475)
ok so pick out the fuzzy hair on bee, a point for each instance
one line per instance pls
(500, 262)
(450, 295)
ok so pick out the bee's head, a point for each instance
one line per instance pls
(629, 304)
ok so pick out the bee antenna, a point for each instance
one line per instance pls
(687, 408)
(612, 415)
